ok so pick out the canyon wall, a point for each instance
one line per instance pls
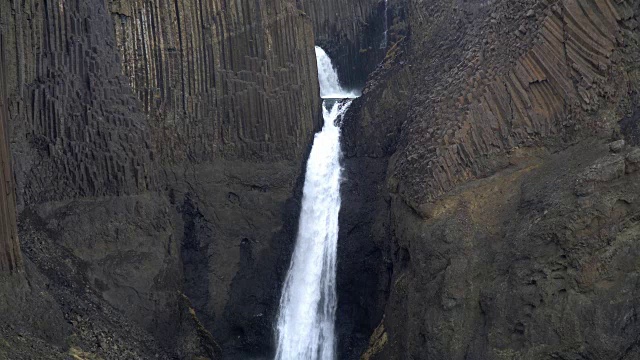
(158, 151)
(501, 195)
(490, 206)
(221, 80)
(10, 257)
(539, 72)
(162, 80)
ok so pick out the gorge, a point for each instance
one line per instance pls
(157, 162)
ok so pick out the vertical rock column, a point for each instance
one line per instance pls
(10, 259)
(76, 127)
(221, 79)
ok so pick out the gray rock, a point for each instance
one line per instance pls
(633, 161)
(617, 146)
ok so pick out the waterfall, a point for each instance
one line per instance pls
(305, 328)
(385, 40)
(330, 87)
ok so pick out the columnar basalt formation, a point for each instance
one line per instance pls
(10, 257)
(491, 198)
(568, 60)
(504, 214)
(196, 70)
(76, 128)
(221, 79)
(160, 145)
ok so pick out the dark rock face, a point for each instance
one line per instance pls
(56, 313)
(364, 265)
(220, 79)
(490, 207)
(238, 227)
(10, 257)
(75, 124)
(159, 146)
(518, 264)
(529, 79)
(505, 217)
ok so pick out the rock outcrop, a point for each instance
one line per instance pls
(501, 218)
(159, 146)
(558, 72)
(10, 257)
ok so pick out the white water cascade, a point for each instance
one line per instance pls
(308, 304)
(385, 40)
(328, 77)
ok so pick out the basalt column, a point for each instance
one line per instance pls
(218, 79)
(502, 163)
(170, 135)
(10, 259)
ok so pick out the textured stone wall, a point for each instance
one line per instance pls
(76, 127)
(232, 79)
(10, 257)
(537, 72)
(161, 145)
(500, 213)
(102, 92)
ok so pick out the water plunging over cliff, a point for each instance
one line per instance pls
(385, 37)
(330, 87)
(308, 304)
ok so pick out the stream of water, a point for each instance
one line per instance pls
(306, 319)
(385, 37)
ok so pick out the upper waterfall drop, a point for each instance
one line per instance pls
(306, 318)
(330, 87)
(385, 36)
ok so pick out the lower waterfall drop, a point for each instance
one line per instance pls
(306, 318)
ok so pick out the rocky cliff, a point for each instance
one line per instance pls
(10, 257)
(221, 80)
(158, 150)
(501, 217)
(490, 206)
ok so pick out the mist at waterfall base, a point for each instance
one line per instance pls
(306, 318)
